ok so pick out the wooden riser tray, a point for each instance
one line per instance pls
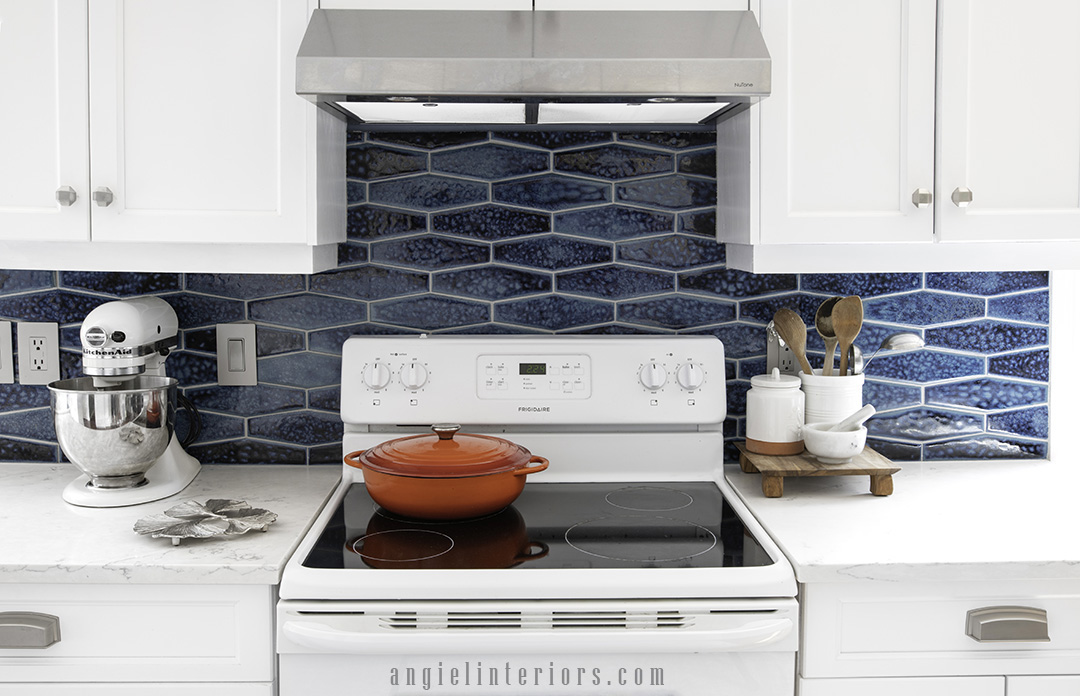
(774, 468)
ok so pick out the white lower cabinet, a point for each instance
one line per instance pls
(117, 639)
(1014, 638)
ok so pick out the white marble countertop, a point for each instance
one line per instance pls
(980, 520)
(45, 540)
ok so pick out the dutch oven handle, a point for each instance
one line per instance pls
(529, 554)
(353, 459)
(541, 464)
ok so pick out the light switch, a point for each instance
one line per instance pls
(236, 355)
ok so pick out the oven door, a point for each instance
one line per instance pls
(672, 647)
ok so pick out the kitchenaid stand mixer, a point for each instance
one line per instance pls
(125, 343)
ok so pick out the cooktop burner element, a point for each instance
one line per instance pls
(551, 525)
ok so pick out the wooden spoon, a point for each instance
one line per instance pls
(791, 328)
(823, 324)
(847, 317)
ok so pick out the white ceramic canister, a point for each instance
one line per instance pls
(774, 414)
(831, 399)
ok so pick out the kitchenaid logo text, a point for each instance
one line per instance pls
(478, 674)
(108, 352)
(535, 409)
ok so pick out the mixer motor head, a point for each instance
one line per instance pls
(123, 339)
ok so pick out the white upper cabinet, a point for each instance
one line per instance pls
(44, 148)
(897, 128)
(1009, 120)
(176, 127)
(426, 4)
(641, 5)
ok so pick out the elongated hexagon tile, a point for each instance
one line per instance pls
(21, 281)
(988, 394)
(1027, 422)
(248, 452)
(35, 424)
(675, 252)
(331, 340)
(351, 254)
(896, 451)
(926, 366)
(923, 308)
(306, 311)
(212, 426)
(19, 396)
(427, 192)
(246, 401)
(370, 222)
(671, 192)
(121, 284)
(554, 312)
(355, 192)
(430, 252)
(1031, 364)
(987, 336)
(674, 140)
(271, 341)
(676, 312)
(552, 252)
(555, 140)
(491, 283)
(701, 163)
(429, 141)
(22, 451)
(52, 305)
(762, 309)
(885, 396)
(613, 222)
(301, 370)
(244, 286)
(370, 282)
(192, 368)
(614, 162)
(326, 454)
(298, 427)
(988, 283)
(730, 282)
(1030, 306)
(740, 341)
(923, 424)
(327, 399)
(698, 222)
(986, 447)
(551, 192)
(490, 161)
(202, 310)
(372, 162)
(491, 222)
(864, 285)
(614, 282)
(426, 312)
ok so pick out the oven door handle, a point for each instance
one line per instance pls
(750, 636)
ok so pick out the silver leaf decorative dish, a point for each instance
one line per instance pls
(217, 517)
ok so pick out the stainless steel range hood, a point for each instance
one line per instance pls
(541, 69)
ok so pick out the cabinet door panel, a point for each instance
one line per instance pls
(847, 134)
(1009, 115)
(426, 4)
(641, 5)
(194, 124)
(905, 686)
(43, 136)
(1042, 686)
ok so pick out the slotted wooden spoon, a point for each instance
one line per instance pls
(791, 328)
(847, 318)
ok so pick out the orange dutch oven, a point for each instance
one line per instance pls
(446, 476)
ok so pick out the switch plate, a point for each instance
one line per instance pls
(7, 356)
(236, 355)
(39, 352)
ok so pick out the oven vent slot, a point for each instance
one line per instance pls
(538, 621)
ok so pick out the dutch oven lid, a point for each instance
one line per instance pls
(447, 453)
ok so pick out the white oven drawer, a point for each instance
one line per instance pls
(909, 629)
(141, 633)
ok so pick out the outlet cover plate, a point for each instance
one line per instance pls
(39, 352)
(7, 356)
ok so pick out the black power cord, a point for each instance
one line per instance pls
(194, 420)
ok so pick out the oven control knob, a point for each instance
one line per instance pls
(652, 376)
(690, 376)
(376, 375)
(413, 376)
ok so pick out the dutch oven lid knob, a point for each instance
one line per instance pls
(445, 431)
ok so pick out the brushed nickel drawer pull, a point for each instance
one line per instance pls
(1008, 625)
(28, 629)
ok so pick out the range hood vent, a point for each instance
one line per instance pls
(460, 69)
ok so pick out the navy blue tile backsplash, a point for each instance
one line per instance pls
(539, 232)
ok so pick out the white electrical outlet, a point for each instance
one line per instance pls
(39, 352)
(7, 358)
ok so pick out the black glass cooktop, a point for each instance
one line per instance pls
(551, 525)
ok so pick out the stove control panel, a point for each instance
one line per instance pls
(533, 379)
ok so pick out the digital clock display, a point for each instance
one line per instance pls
(532, 368)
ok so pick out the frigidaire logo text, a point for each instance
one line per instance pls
(535, 409)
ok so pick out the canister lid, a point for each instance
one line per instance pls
(775, 380)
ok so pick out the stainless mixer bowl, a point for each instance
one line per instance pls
(114, 435)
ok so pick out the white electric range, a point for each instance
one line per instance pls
(628, 565)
